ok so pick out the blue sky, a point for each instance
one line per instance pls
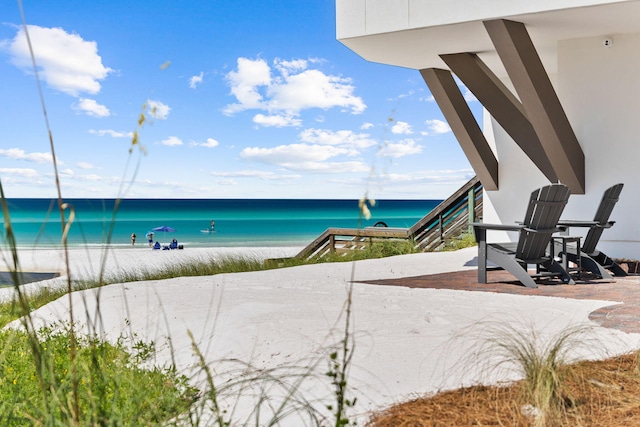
(244, 99)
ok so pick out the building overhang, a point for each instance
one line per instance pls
(390, 31)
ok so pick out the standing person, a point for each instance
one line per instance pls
(150, 238)
(133, 239)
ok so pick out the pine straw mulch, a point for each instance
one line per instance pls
(598, 393)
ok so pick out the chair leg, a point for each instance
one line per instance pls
(589, 264)
(609, 264)
(481, 238)
(510, 264)
(555, 267)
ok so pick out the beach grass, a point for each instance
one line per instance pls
(603, 393)
(464, 240)
(112, 387)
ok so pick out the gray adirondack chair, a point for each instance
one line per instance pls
(535, 232)
(591, 258)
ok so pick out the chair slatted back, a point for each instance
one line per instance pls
(609, 199)
(543, 213)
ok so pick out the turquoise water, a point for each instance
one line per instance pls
(241, 222)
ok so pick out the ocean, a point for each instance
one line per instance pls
(238, 222)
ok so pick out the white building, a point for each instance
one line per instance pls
(559, 81)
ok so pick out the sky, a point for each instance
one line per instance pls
(241, 99)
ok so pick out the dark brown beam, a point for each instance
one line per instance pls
(505, 108)
(464, 126)
(539, 100)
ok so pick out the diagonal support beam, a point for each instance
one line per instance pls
(464, 126)
(539, 100)
(505, 108)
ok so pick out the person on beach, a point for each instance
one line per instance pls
(133, 239)
(150, 238)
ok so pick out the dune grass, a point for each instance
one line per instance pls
(544, 366)
(464, 240)
(603, 393)
(555, 390)
(112, 389)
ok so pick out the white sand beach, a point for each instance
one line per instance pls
(408, 342)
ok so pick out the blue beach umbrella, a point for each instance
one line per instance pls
(164, 229)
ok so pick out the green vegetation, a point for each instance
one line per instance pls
(376, 249)
(37, 383)
(464, 240)
(543, 364)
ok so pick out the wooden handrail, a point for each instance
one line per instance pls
(448, 219)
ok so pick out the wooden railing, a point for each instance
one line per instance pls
(450, 218)
(341, 240)
(447, 220)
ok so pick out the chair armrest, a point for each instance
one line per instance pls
(503, 227)
(576, 223)
(480, 230)
(545, 230)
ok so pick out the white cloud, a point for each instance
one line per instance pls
(194, 81)
(93, 178)
(19, 154)
(21, 172)
(318, 152)
(276, 120)
(431, 176)
(85, 165)
(296, 88)
(172, 141)
(158, 110)
(332, 167)
(466, 93)
(438, 127)
(209, 143)
(366, 125)
(469, 96)
(400, 149)
(402, 128)
(288, 67)
(268, 176)
(242, 174)
(91, 108)
(304, 157)
(287, 154)
(112, 133)
(314, 89)
(66, 62)
(345, 138)
(245, 83)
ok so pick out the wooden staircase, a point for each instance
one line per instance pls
(447, 220)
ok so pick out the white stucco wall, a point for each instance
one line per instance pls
(600, 91)
(599, 88)
(361, 17)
